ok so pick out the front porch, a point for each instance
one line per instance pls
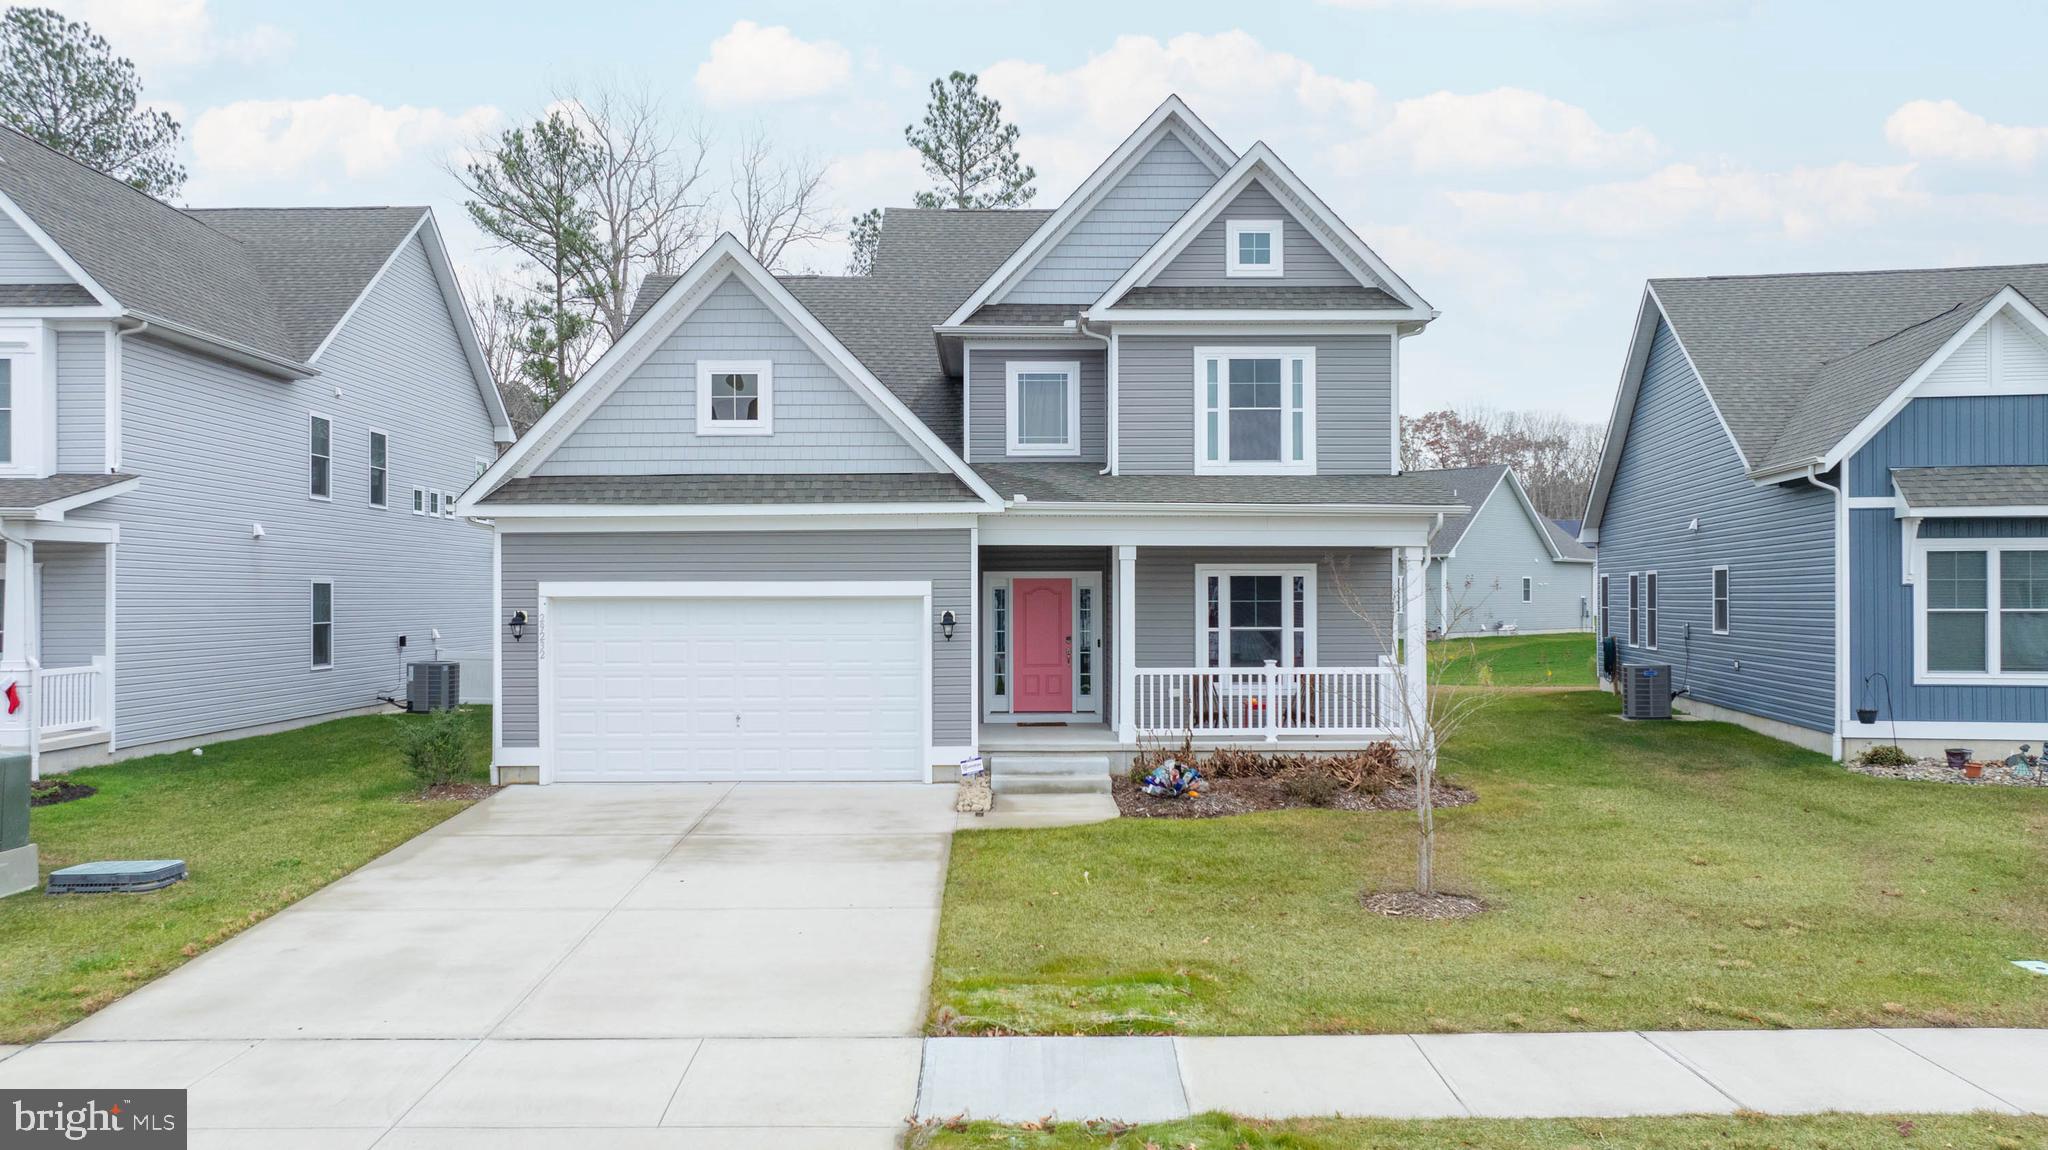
(57, 633)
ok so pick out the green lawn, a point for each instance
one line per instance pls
(1681, 875)
(1515, 660)
(1738, 1132)
(260, 823)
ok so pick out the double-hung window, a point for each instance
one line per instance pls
(1605, 607)
(1983, 613)
(1255, 410)
(321, 448)
(380, 471)
(1650, 610)
(1635, 610)
(6, 409)
(419, 501)
(735, 397)
(1720, 600)
(1528, 589)
(323, 624)
(1246, 616)
(1042, 408)
(1252, 249)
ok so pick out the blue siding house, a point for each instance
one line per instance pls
(1824, 501)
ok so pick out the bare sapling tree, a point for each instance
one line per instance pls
(494, 311)
(776, 200)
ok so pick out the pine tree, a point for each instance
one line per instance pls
(62, 85)
(967, 149)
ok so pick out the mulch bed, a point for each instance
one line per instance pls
(1408, 904)
(461, 792)
(50, 792)
(1938, 771)
(1222, 797)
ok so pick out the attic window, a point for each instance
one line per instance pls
(734, 397)
(1252, 248)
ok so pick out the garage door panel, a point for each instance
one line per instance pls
(711, 689)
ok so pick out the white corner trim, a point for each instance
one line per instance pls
(763, 372)
(1015, 368)
(1273, 268)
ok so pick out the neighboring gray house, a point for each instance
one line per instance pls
(230, 442)
(1503, 566)
(1825, 493)
(1047, 481)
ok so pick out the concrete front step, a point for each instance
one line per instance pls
(1050, 784)
(1049, 764)
(1049, 774)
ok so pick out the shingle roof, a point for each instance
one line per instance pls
(1470, 486)
(1084, 483)
(1568, 545)
(45, 295)
(265, 280)
(1945, 487)
(1261, 296)
(933, 487)
(1794, 362)
(23, 496)
(1025, 314)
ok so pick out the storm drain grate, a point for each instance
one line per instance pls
(126, 876)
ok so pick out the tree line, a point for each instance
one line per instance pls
(1554, 456)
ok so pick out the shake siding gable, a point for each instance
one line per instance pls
(213, 629)
(1105, 242)
(647, 425)
(23, 260)
(1677, 465)
(81, 401)
(987, 397)
(1305, 262)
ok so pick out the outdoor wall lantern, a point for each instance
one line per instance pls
(518, 625)
(946, 622)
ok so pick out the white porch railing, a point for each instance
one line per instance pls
(1269, 702)
(71, 698)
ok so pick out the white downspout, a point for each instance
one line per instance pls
(1109, 391)
(1842, 615)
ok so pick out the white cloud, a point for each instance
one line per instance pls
(1503, 129)
(175, 34)
(1798, 203)
(752, 64)
(1945, 130)
(318, 140)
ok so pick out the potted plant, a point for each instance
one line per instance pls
(1957, 756)
(1973, 770)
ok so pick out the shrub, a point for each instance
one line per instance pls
(1885, 755)
(436, 748)
(1371, 770)
(1240, 763)
(1315, 788)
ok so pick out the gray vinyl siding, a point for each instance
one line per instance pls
(1777, 541)
(23, 261)
(647, 426)
(988, 396)
(1128, 219)
(1360, 577)
(213, 625)
(2006, 430)
(1100, 560)
(74, 602)
(81, 401)
(1304, 261)
(1499, 550)
(942, 556)
(1354, 401)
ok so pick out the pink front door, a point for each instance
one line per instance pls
(1044, 645)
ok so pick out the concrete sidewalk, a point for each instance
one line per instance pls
(1591, 1075)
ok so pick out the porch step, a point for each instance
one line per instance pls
(1049, 774)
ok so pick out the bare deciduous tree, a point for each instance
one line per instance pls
(1554, 455)
(775, 200)
(495, 313)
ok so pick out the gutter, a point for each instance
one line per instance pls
(1033, 506)
(229, 350)
(1109, 398)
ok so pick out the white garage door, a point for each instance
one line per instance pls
(748, 689)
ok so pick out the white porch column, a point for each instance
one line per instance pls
(1126, 643)
(1415, 636)
(17, 730)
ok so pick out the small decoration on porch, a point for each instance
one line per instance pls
(1172, 780)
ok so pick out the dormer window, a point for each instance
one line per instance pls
(735, 397)
(1255, 410)
(1042, 407)
(1252, 248)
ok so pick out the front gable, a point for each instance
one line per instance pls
(2007, 356)
(1305, 261)
(23, 260)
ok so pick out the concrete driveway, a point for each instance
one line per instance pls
(644, 965)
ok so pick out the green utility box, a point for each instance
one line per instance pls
(17, 854)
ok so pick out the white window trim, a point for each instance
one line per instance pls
(311, 455)
(1722, 604)
(1994, 593)
(419, 501)
(1605, 606)
(447, 505)
(760, 368)
(33, 443)
(1528, 589)
(1635, 609)
(1236, 270)
(1650, 619)
(433, 504)
(370, 467)
(1069, 368)
(1224, 571)
(1286, 465)
(313, 620)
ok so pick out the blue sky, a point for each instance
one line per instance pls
(1526, 164)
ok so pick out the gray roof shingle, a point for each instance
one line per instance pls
(930, 487)
(23, 496)
(1084, 483)
(1261, 296)
(1795, 362)
(316, 260)
(1470, 486)
(1946, 487)
(45, 295)
(1025, 314)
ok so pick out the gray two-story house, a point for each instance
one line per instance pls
(1824, 502)
(1045, 480)
(230, 445)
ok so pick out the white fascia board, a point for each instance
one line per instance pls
(1259, 163)
(206, 344)
(1292, 317)
(56, 253)
(1884, 412)
(1208, 323)
(1156, 528)
(512, 511)
(574, 522)
(2016, 512)
(1227, 510)
(59, 315)
(1634, 364)
(1171, 114)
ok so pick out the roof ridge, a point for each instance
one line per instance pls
(124, 184)
(1847, 272)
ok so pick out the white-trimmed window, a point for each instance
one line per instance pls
(1605, 607)
(1650, 610)
(1255, 409)
(323, 624)
(735, 397)
(419, 501)
(1042, 407)
(24, 450)
(380, 470)
(1635, 610)
(1528, 589)
(7, 363)
(1252, 248)
(1982, 612)
(434, 503)
(320, 446)
(448, 504)
(1247, 615)
(1720, 600)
